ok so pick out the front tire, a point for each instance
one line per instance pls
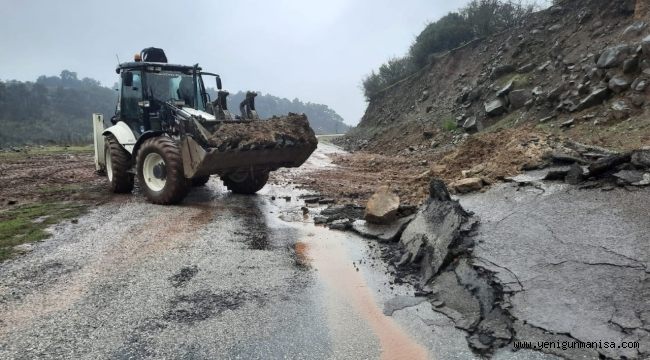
(160, 171)
(118, 163)
(246, 183)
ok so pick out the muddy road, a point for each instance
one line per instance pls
(221, 276)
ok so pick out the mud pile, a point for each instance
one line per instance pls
(277, 132)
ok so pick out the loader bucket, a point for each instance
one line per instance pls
(198, 161)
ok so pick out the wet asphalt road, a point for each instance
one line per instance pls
(221, 276)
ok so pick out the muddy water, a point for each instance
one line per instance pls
(354, 311)
(328, 255)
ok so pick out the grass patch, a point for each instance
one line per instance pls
(48, 150)
(449, 124)
(27, 223)
(519, 80)
(62, 189)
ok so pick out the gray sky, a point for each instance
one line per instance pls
(315, 50)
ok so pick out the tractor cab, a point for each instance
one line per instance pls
(147, 87)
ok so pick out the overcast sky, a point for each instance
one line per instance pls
(316, 50)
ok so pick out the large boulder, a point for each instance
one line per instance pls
(518, 98)
(428, 240)
(641, 158)
(635, 29)
(618, 84)
(597, 96)
(613, 56)
(470, 125)
(467, 185)
(495, 107)
(382, 206)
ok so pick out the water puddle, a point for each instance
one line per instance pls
(328, 255)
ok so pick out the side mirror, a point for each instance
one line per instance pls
(219, 86)
(127, 79)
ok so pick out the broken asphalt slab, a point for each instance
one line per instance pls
(571, 262)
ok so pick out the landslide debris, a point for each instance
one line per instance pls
(579, 68)
(277, 132)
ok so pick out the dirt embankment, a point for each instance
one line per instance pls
(579, 69)
(490, 156)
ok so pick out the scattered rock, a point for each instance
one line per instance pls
(320, 219)
(596, 97)
(555, 28)
(501, 70)
(544, 66)
(605, 164)
(620, 110)
(641, 158)
(495, 107)
(518, 98)
(575, 175)
(629, 176)
(635, 29)
(568, 123)
(547, 119)
(339, 212)
(470, 125)
(645, 47)
(382, 206)
(639, 85)
(467, 185)
(383, 233)
(341, 224)
(308, 200)
(618, 84)
(506, 89)
(631, 65)
(613, 56)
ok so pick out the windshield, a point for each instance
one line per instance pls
(174, 86)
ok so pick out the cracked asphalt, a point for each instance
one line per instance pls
(573, 262)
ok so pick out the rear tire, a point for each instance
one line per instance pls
(160, 171)
(200, 180)
(246, 184)
(118, 163)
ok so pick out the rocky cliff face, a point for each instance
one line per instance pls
(580, 68)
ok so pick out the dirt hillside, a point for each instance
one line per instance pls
(580, 69)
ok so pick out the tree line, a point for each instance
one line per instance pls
(52, 110)
(58, 110)
(477, 19)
